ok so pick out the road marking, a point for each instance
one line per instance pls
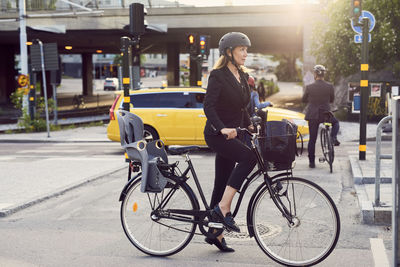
(51, 151)
(7, 158)
(379, 252)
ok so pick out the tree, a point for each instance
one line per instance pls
(287, 69)
(333, 44)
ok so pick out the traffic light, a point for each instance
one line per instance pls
(204, 46)
(191, 40)
(356, 9)
(137, 23)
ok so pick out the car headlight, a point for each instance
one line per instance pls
(299, 122)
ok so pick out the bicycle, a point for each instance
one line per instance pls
(78, 101)
(303, 221)
(326, 141)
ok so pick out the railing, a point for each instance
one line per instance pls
(59, 5)
(378, 157)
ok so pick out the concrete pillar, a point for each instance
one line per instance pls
(173, 64)
(87, 74)
(7, 73)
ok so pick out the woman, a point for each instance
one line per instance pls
(255, 98)
(225, 106)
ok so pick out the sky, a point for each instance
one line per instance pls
(241, 2)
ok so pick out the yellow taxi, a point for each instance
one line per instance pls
(176, 116)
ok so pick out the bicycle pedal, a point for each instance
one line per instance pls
(321, 160)
(215, 225)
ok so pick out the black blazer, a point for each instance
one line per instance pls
(226, 101)
(318, 95)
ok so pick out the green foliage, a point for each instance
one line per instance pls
(333, 44)
(36, 124)
(287, 69)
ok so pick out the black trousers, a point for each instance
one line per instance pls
(313, 126)
(227, 172)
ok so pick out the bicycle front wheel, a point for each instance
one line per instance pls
(314, 231)
(150, 234)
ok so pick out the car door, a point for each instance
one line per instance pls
(199, 117)
(174, 117)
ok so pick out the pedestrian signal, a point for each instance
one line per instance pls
(191, 41)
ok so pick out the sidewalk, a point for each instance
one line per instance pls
(364, 172)
(29, 179)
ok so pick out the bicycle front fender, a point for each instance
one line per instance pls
(250, 208)
(128, 185)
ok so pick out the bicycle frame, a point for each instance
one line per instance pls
(199, 215)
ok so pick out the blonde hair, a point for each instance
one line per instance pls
(223, 62)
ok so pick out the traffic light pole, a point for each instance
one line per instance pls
(126, 58)
(364, 89)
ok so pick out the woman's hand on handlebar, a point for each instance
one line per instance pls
(229, 133)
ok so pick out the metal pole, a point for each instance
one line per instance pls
(378, 158)
(126, 59)
(44, 86)
(136, 63)
(364, 89)
(396, 178)
(55, 104)
(23, 47)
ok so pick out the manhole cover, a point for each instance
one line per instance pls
(265, 229)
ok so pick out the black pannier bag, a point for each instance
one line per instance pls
(278, 147)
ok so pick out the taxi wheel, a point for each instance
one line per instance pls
(150, 134)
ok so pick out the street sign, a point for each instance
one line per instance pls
(365, 14)
(50, 57)
(358, 38)
(23, 80)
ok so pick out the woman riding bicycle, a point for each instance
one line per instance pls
(225, 106)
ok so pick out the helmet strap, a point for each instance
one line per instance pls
(233, 60)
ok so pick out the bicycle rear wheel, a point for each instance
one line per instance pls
(315, 229)
(327, 147)
(150, 234)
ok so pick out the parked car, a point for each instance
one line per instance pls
(111, 84)
(176, 116)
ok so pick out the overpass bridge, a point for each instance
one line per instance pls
(271, 28)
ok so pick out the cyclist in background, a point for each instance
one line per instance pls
(225, 106)
(318, 96)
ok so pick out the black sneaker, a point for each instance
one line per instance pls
(311, 165)
(336, 142)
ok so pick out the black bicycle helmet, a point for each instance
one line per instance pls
(232, 40)
(319, 70)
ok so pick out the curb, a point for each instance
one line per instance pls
(10, 210)
(358, 175)
(367, 210)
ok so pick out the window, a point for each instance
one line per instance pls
(175, 100)
(197, 99)
(145, 100)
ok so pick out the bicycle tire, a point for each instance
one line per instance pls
(327, 147)
(162, 236)
(317, 223)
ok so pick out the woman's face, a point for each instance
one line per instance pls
(240, 54)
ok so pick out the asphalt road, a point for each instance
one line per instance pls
(82, 226)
